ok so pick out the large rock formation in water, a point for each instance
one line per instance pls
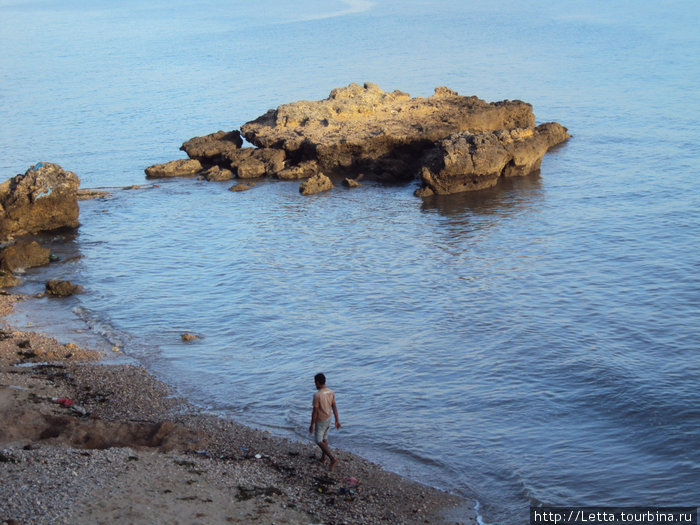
(454, 143)
(44, 198)
(362, 129)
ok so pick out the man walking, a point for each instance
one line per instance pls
(323, 404)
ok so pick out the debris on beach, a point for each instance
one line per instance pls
(63, 401)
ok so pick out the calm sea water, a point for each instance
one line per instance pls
(534, 343)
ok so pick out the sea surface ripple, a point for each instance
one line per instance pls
(536, 343)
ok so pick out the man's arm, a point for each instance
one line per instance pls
(335, 413)
(314, 417)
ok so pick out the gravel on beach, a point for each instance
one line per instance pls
(83, 441)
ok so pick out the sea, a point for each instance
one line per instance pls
(537, 343)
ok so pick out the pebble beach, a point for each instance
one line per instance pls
(88, 441)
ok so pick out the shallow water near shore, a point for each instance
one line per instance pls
(533, 343)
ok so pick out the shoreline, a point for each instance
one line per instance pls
(125, 448)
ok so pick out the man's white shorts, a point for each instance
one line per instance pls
(322, 428)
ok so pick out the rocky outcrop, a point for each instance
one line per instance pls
(174, 168)
(472, 161)
(216, 173)
(44, 198)
(315, 184)
(362, 128)
(454, 143)
(213, 149)
(303, 170)
(62, 288)
(23, 255)
(223, 150)
(252, 163)
(264, 161)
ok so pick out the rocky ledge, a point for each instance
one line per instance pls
(452, 143)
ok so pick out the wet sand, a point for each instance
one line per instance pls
(86, 441)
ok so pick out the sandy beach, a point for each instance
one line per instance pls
(86, 441)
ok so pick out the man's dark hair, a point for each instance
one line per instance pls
(320, 379)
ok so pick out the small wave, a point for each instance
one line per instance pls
(353, 7)
(100, 327)
(479, 518)
(415, 456)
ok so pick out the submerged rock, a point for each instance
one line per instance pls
(62, 288)
(88, 194)
(239, 187)
(44, 198)
(315, 184)
(174, 168)
(468, 161)
(24, 255)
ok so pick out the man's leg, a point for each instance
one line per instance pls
(323, 453)
(319, 436)
(327, 452)
(322, 442)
